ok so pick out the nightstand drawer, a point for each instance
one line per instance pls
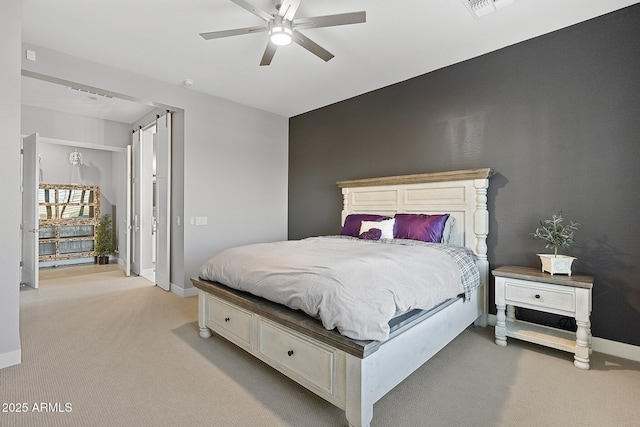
(540, 295)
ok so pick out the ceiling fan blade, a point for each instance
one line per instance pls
(236, 32)
(288, 9)
(255, 10)
(268, 54)
(311, 46)
(331, 20)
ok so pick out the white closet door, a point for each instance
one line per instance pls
(146, 197)
(135, 210)
(127, 227)
(30, 183)
(163, 201)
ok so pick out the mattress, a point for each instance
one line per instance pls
(355, 286)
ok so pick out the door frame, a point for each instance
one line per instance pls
(163, 201)
(27, 263)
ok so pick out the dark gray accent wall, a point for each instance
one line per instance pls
(557, 118)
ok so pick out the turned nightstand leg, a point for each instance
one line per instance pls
(501, 327)
(583, 330)
(581, 359)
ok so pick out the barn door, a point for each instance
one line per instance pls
(135, 205)
(127, 217)
(162, 142)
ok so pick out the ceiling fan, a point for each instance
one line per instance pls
(283, 27)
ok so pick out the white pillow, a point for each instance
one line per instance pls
(448, 227)
(386, 226)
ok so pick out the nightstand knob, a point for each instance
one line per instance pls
(290, 352)
(226, 319)
(537, 296)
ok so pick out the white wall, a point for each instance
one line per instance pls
(10, 35)
(96, 169)
(231, 159)
(72, 127)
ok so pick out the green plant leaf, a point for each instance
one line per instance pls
(555, 232)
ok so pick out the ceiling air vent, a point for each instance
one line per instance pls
(482, 7)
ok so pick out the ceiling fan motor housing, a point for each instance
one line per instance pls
(280, 31)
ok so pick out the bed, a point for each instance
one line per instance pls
(354, 373)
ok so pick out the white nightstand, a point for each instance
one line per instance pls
(563, 295)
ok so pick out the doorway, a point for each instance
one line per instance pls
(151, 171)
(59, 220)
(46, 117)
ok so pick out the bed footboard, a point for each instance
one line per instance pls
(350, 374)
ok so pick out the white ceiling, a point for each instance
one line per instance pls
(42, 94)
(400, 40)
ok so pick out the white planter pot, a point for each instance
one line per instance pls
(556, 264)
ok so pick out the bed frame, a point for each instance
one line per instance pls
(352, 374)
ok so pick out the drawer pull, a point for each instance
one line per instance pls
(226, 319)
(537, 296)
(290, 353)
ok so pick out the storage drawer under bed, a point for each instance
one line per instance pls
(307, 359)
(230, 321)
(304, 359)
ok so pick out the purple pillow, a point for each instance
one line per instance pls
(371, 234)
(427, 228)
(352, 223)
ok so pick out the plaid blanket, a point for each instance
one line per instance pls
(464, 258)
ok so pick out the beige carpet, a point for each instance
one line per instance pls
(105, 350)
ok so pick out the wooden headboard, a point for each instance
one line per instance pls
(462, 194)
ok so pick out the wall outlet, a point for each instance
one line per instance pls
(31, 55)
(201, 220)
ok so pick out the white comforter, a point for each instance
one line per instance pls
(356, 286)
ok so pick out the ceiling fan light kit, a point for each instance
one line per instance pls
(280, 32)
(282, 27)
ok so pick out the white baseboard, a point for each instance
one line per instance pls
(188, 292)
(602, 345)
(615, 348)
(182, 292)
(11, 358)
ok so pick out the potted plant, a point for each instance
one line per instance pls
(557, 234)
(104, 242)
